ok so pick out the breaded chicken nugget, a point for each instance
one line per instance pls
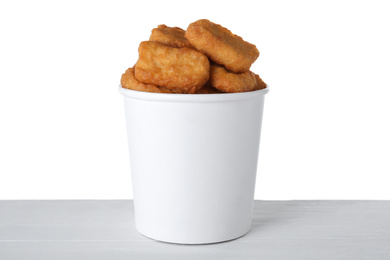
(182, 70)
(221, 45)
(208, 89)
(129, 81)
(172, 36)
(227, 81)
(260, 83)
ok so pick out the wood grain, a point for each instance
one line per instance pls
(104, 229)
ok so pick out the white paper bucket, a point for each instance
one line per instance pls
(193, 163)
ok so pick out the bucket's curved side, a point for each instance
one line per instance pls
(193, 167)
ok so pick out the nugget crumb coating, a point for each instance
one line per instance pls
(227, 81)
(182, 70)
(172, 36)
(221, 45)
(260, 83)
(208, 89)
(129, 81)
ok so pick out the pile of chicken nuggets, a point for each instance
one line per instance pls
(205, 59)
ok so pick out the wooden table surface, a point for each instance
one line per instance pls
(104, 229)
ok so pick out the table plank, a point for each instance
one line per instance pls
(104, 229)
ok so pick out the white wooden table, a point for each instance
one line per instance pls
(104, 229)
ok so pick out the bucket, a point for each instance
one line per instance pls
(193, 160)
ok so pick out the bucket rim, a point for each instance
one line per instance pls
(192, 98)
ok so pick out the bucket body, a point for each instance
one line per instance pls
(193, 160)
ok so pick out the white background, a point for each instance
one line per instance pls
(326, 120)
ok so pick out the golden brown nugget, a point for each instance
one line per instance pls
(182, 70)
(221, 45)
(260, 83)
(129, 81)
(227, 81)
(172, 36)
(208, 89)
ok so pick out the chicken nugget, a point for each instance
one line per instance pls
(227, 81)
(129, 81)
(221, 45)
(208, 89)
(182, 70)
(172, 36)
(260, 83)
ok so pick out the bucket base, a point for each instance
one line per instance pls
(160, 238)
